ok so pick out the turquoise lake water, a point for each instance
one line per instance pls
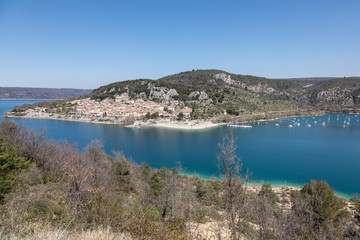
(272, 151)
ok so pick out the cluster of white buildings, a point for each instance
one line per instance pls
(37, 109)
(123, 107)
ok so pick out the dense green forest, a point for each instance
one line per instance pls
(52, 190)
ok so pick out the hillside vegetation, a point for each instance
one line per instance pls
(239, 94)
(52, 190)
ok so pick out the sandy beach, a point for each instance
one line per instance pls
(186, 125)
(190, 125)
(59, 117)
(183, 124)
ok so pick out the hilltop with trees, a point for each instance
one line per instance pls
(242, 93)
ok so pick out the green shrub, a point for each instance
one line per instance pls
(11, 164)
(266, 191)
(123, 175)
(325, 205)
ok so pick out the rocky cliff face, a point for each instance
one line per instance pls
(222, 76)
(162, 92)
(342, 97)
(227, 79)
(262, 88)
(199, 95)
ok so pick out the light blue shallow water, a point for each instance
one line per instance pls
(272, 153)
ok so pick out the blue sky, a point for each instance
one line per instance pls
(86, 44)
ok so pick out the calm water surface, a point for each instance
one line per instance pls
(272, 151)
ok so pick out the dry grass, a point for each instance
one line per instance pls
(50, 233)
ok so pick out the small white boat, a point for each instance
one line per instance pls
(277, 124)
(309, 125)
(315, 122)
(290, 126)
(323, 124)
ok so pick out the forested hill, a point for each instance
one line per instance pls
(241, 93)
(41, 93)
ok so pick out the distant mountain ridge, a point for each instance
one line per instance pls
(41, 93)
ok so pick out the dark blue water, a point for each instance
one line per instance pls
(272, 153)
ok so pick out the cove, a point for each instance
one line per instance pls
(323, 148)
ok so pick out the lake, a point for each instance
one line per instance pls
(328, 150)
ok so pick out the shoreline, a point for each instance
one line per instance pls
(189, 125)
(81, 120)
(276, 185)
(179, 125)
(186, 126)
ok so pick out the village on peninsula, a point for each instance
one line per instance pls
(199, 99)
(121, 110)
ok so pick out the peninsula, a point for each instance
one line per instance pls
(201, 99)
